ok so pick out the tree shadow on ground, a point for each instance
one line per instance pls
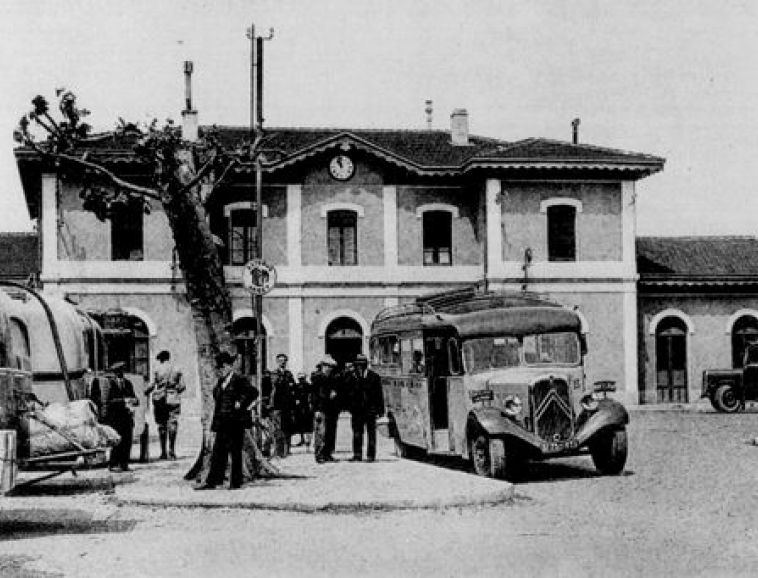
(23, 523)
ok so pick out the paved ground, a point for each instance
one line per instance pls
(685, 507)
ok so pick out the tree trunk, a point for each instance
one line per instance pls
(211, 315)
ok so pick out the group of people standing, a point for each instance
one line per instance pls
(293, 407)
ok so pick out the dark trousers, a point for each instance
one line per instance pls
(229, 438)
(360, 421)
(121, 453)
(325, 434)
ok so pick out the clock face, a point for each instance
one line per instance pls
(341, 167)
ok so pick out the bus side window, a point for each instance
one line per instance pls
(454, 356)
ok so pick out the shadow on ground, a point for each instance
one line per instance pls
(22, 523)
(555, 470)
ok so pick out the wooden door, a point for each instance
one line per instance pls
(671, 361)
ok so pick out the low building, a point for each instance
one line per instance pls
(698, 308)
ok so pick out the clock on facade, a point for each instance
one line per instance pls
(341, 167)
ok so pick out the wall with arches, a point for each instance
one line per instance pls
(708, 318)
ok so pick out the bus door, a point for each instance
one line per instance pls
(438, 374)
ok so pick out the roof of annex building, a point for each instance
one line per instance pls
(697, 261)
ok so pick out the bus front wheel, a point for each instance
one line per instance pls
(488, 456)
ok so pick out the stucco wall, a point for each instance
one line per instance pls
(364, 189)
(604, 313)
(275, 225)
(598, 225)
(82, 237)
(708, 347)
(466, 240)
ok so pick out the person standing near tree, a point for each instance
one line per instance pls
(325, 409)
(118, 404)
(303, 414)
(281, 406)
(233, 396)
(166, 390)
(366, 404)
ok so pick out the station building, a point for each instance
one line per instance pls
(354, 221)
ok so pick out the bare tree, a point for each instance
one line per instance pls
(176, 170)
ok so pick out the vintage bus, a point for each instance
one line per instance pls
(497, 378)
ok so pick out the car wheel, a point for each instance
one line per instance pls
(488, 456)
(609, 451)
(725, 399)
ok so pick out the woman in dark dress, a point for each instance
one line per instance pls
(303, 411)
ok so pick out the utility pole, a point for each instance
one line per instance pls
(256, 135)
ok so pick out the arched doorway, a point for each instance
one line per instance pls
(344, 339)
(744, 332)
(244, 339)
(127, 340)
(671, 360)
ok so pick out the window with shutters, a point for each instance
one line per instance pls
(342, 238)
(127, 243)
(561, 233)
(438, 238)
(241, 236)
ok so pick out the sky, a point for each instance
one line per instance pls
(672, 78)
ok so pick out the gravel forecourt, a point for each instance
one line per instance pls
(686, 506)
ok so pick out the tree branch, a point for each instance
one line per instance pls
(101, 171)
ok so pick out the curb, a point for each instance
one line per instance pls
(504, 496)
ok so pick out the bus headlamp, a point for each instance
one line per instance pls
(589, 402)
(512, 406)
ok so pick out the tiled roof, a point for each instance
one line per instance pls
(18, 255)
(424, 150)
(703, 259)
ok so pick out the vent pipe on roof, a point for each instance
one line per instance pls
(575, 130)
(428, 110)
(189, 116)
(459, 127)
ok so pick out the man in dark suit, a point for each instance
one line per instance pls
(116, 408)
(366, 404)
(326, 410)
(233, 395)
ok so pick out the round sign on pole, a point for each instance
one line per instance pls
(258, 276)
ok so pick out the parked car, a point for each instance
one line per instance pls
(729, 389)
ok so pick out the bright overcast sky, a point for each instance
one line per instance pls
(674, 78)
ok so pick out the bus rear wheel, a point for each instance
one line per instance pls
(488, 456)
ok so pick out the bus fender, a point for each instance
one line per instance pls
(496, 424)
(609, 414)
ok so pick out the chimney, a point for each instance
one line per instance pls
(575, 130)
(189, 116)
(459, 127)
(428, 110)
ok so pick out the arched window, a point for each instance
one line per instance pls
(342, 237)
(744, 332)
(126, 340)
(561, 233)
(244, 340)
(671, 360)
(438, 238)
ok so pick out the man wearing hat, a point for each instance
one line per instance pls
(325, 409)
(281, 404)
(233, 395)
(366, 402)
(118, 404)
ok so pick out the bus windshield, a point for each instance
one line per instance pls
(487, 353)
